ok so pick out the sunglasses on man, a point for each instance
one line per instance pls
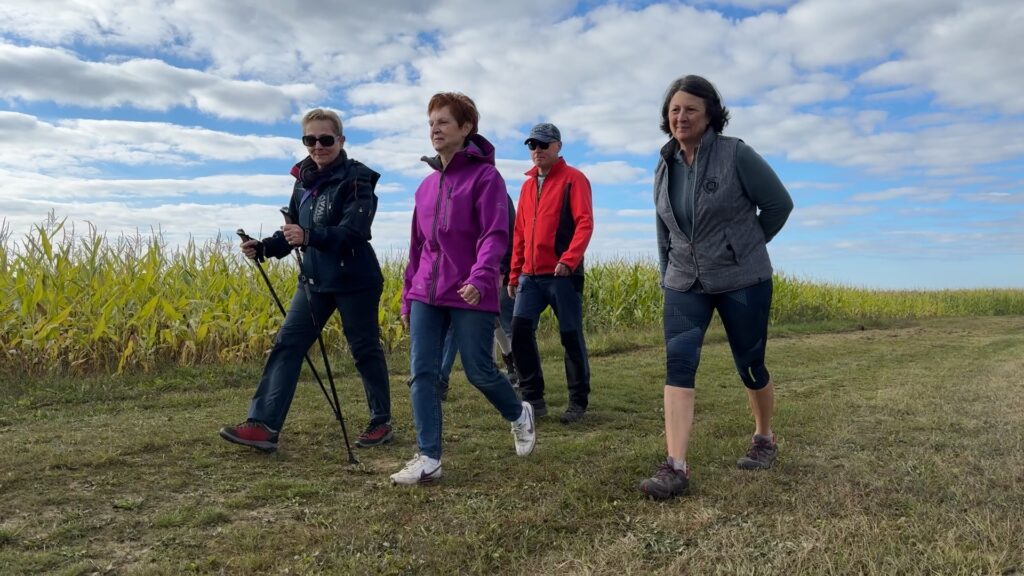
(326, 140)
(534, 144)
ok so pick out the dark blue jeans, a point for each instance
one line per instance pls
(744, 315)
(360, 325)
(505, 319)
(473, 333)
(536, 293)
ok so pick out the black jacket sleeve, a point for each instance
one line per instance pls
(276, 246)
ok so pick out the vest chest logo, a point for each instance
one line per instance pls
(710, 185)
(321, 208)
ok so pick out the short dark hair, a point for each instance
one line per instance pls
(462, 107)
(701, 88)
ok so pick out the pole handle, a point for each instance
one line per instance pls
(287, 215)
(245, 238)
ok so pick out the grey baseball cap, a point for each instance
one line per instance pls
(544, 132)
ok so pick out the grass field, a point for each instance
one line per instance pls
(902, 452)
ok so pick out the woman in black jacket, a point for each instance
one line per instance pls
(330, 214)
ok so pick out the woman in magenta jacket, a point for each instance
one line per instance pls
(459, 235)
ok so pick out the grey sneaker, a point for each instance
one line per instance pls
(573, 413)
(525, 434)
(666, 483)
(760, 455)
(540, 409)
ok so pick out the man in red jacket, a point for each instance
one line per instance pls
(554, 222)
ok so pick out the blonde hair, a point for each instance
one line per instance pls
(321, 114)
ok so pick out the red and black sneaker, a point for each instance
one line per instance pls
(251, 433)
(375, 435)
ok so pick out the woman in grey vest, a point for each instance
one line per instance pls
(718, 204)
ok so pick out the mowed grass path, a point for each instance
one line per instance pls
(902, 452)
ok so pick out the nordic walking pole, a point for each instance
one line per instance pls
(320, 340)
(337, 413)
(309, 361)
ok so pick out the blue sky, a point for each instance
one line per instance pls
(898, 126)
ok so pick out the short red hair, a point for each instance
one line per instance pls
(462, 107)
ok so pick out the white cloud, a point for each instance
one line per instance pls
(328, 42)
(820, 215)
(998, 198)
(914, 193)
(840, 139)
(613, 172)
(25, 187)
(36, 73)
(908, 105)
(969, 57)
(72, 144)
(633, 213)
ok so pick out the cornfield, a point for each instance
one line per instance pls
(83, 303)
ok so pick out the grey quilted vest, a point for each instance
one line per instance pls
(726, 249)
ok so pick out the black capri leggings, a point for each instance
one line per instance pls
(744, 314)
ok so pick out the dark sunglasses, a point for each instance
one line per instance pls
(326, 140)
(534, 144)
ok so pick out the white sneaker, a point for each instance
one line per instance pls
(525, 434)
(419, 470)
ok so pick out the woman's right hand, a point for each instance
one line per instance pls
(251, 249)
(404, 318)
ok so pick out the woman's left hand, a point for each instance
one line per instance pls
(294, 234)
(470, 294)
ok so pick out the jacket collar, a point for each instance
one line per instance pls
(308, 173)
(672, 146)
(477, 149)
(532, 172)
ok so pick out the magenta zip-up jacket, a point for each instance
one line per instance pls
(459, 231)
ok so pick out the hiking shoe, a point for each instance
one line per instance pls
(666, 483)
(760, 455)
(525, 433)
(419, 470)
(251, 433)
(540, 409)
(375, 436)
(573, 413)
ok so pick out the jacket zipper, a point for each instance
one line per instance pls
(693, 209)
(309, 263)
(447, 207)
(437, 261)
(533, 228)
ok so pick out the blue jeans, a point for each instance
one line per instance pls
(744, 313)
(505, 319)
(473, 334)
(536, 293)
(360, 325)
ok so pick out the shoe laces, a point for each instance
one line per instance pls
(519, 428)
(759, 449)
(416, 459)
(667, 471)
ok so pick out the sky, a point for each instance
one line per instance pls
(896, 125)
